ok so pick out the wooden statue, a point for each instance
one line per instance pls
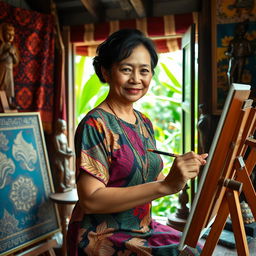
(62, 173)
(204, 126)
(8, 58)
(238, 50)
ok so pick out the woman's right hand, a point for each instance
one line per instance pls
(184, 168)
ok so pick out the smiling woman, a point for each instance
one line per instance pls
(161, 104)
(117, 178)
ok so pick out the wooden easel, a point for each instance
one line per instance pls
(239, 181)
(4, 104)
(45, 248)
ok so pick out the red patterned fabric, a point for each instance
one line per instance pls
(33, 76)
(165, 31)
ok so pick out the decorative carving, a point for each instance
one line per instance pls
(238, 50)
(247, 213)
(62, 173)
(8, 58)
(183, 210)
(204, 126)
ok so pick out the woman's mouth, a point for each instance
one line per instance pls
(133, 90)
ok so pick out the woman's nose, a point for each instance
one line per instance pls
(135, 77)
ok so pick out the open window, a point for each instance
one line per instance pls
(189, 94)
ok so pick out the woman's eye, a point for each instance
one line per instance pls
(126, 70)
(145, 71)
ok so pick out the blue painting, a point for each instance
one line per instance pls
(26, 213)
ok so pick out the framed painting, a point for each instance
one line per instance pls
(226, 15)
(27, 215)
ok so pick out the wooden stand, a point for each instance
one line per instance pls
(4, 104)
(178, 219)
(46, 248)
(240, 181)
(64, 200)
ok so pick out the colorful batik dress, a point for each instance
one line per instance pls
(114, 152)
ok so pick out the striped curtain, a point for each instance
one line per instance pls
(165, 31)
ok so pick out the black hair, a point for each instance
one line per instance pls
(119, 46)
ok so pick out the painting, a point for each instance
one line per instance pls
(225, 148)
(26, 213)
(226, 15)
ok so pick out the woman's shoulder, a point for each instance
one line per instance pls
(96, 115)
(143, 117)
(91, 123)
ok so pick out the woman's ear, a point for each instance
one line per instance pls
(105, 74)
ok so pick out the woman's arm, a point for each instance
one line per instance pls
(161, 176)
(95, 197)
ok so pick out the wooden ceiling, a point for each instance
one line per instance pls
(78, 12)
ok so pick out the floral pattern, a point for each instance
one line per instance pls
(9, 224)
(23, 194)
(118, 158)
(34, 39)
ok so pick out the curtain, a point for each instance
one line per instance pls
(34, 74)
(165, 31)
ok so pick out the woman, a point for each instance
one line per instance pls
(117, 178)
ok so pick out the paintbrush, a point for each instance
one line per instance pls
(162, 152)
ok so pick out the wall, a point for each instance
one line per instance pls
(228, 14)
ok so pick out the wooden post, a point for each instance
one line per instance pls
(4, 104)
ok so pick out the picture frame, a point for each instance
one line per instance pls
(225, 15)
(220, 85)
(27, 215)
(220, 160)
(215, 109)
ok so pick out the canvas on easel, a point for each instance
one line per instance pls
(221, 181)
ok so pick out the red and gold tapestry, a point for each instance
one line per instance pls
(165, 31)
(33, 75)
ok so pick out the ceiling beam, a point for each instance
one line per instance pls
(91, 7)
(138, 7)
(40, 5)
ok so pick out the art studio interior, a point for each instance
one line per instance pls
(127, 127)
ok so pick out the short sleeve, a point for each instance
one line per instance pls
(149, 128)
(93, 152)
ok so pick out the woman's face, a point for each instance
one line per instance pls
(129, 79)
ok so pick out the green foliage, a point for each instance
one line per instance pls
(165, 205)
(162, 105)
(90, 92)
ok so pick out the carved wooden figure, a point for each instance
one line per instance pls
(204, 126)
(62, 173)
(8, 58)
(238, 50)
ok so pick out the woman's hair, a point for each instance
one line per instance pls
(119, 46)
